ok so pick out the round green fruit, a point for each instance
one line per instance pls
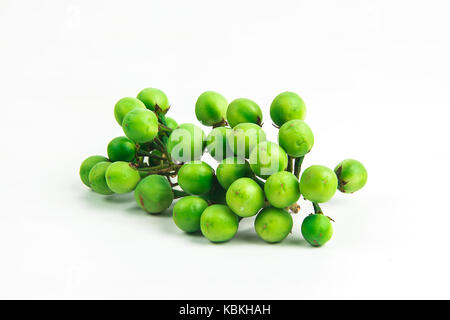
(282, 189)
(154, 194)
(121, 149)
(140, 125)
(187, 212)
(318, 183)
(125, 105)
(171, 123)
(154, 99)
(296, 138)
(242, 111)
(122, 177)
(218, 223)
(211, 108)
(244, 138)
(87, 165)
(217, 143)
(273, 224)
(97, 178)
(186, 143)
(196, 177)
(351, 174)
(231, 169)
(267, 158)
(287, 106)
(317, 229)
(245, 197)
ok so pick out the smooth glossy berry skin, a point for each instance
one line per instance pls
(243, 110)
(318, 183)
(171, 123)
(187, 212)
(154, 194)
(154, 99)
(97, 178)
(317, 229)
(196, 177)
(296, 138)
(231, 169)
(186, 143)
(244, 137)
(121, 149)
(282, 189)
(211, 108)
(273, 224)
(245, 197)
(217, 143)
(140, 125)
(267, 158)
(287, 106)
(218, 223)
(121, 177)
(87, 165)
(351, 174)
(125, 105)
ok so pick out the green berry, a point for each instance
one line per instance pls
(196, 177)
(296, 138)
(273, 224)
(97, 178)
(318, 183)
(186, 143)
(87, 165)
(171, 123)
(122, 177)
(121, 149)
(217, 143)
(351, 174)
(154, 194)
(244, 138)
(211, 108)
(218, 223)
(154, 99)
(125, 105)
(317, 229)
(187, 212)
(287, 106)
(140, 125)
(282, 189)
(267, 158)
(244, 110)
(231, 169)
(245, 197)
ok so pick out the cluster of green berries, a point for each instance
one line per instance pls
(254, 177)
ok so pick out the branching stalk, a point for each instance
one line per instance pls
(298, 166)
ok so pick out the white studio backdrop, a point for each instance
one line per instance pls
(374, 76)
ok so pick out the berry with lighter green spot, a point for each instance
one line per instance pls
(245, 197)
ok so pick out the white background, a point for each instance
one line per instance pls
(375, 79)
